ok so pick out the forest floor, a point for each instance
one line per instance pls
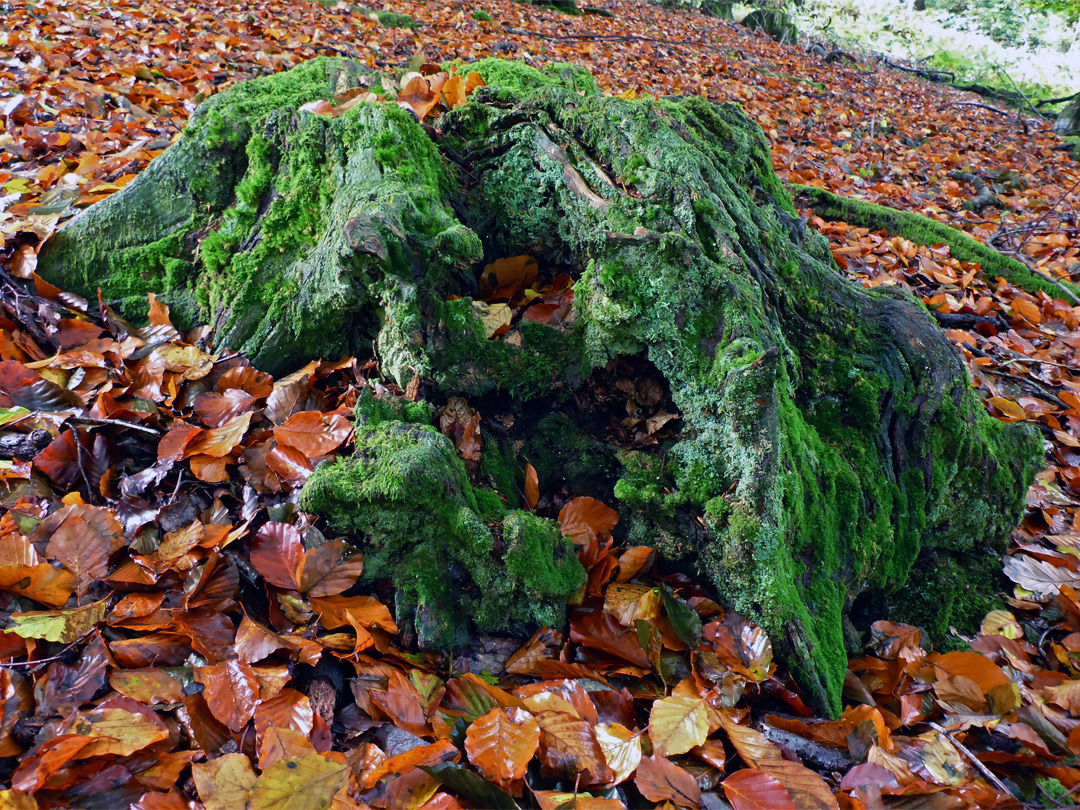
(175, 656)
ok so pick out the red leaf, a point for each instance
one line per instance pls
(276, 553)
(753, 790)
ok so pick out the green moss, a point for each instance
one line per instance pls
(481, 15)
(405, 495)
(829, 439)
(563, 455)
(925, 231)
(372, 410)
(390, 19)
(943, 594)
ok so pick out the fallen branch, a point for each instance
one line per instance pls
(925, 231)
(1006, 113)
(984, 195)
(23, 446)
(1001, 70)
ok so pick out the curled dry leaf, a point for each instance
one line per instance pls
(584, 519)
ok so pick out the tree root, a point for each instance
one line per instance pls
(926, 231)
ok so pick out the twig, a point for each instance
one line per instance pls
(997, 783)
(1019, 118)
(93, 420)
(82, 469)
(1057, 101)
(1001, 70)
(923, 72)
(38, 662)
(1042, 219)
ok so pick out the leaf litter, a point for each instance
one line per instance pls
(168, 608)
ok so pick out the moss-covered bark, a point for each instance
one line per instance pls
(924, 231)
(830, 438)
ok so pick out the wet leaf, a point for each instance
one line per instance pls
(231, 691)
(322, 572)
(64, 626)
(501, 743)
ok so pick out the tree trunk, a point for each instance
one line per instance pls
(829, 439)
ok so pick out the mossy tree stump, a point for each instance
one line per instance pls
(830, 438)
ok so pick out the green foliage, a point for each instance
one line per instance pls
(481, 15)
(1069, 9)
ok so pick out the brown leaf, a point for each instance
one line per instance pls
(276, 553)
(568, 747)
(584, 519)
(532, 487)
(661, 780)
(231, 691)
(313, 433)
(807, 789)
(322, 572)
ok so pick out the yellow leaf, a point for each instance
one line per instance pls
(628, 602)
(943, 762)
(117, 731)
(1011, 409)
(494, 316)
(1001, 623)
(224, 783)
(64, 626)
(750, 744)
(677, 724)
(621, 747)
(306, 782)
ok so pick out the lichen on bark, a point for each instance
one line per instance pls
(830, 438)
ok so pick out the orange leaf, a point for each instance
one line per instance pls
(806, 788)
(532, 487)
(313, 433)
(583, 519)
(569, 747)
(232, 691)
(501, 743)
(419, 97)
(276, 553)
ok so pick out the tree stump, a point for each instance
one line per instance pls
(829, 439)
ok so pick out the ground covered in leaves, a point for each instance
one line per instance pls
(179, 634)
